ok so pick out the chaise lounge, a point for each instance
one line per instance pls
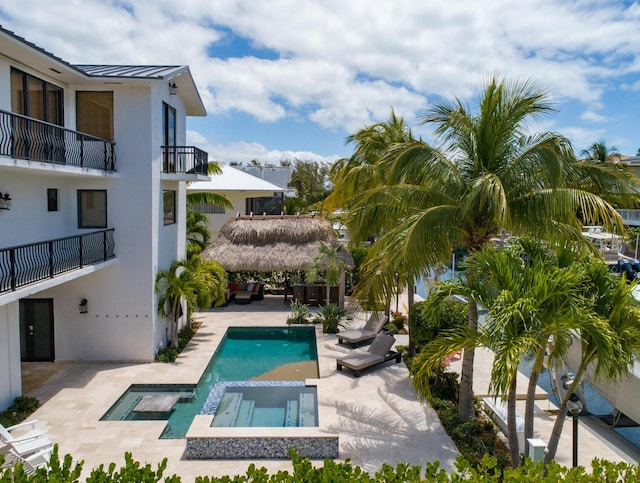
(377, 353)
(26, 443)
(369, 332)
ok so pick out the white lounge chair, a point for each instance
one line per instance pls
(32, 462)
(369, 332)
(378, 352)
(26, 443)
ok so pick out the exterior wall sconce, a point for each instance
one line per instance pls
(173, 88)
(83, 306)
(5, 201)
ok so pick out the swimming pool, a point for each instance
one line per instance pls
(245, 353)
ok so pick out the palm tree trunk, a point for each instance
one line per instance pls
(466, 408)
(552, 447)
(531, 398)
(512, 433)
(410, 302)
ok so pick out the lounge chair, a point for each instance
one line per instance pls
(26, 443)
(32, 462)
(378, 352)
(372, 328)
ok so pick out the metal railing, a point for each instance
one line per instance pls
(184, 160)
(23, 137)
(630, 216)
(26, 264)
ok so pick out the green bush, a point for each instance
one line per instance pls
(170, 354)
(300, 313)
(329, 317)
(21, 409)
(424, 329)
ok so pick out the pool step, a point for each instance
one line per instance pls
(245, 413)
(291, 415)
(228, 408)
(307, 413)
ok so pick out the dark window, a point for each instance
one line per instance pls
(208, 208)
(92, 208)
(33, 97)
(271, 205)
(52, 199)
(94, 113)
(169, 206)
(169, 125)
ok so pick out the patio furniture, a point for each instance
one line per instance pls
(32, 462)
(26, 443)
(367, 333)
(247, 290)
(377, 353)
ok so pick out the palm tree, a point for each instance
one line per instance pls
(330, 262)
(198, 234)
(486, 174)
(197, 283)
(613, 351)
(601, 153)
(207, 197)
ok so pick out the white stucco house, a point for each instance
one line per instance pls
(247, 193)
(93, 172)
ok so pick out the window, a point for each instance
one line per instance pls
(92, 208)
(94, 113)
(271, 205)
(33, 97)
(169, 125)
(208, 208)
(169, 206)
(52, 199)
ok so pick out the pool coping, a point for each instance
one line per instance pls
(207, 442)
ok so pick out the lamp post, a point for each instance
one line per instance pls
(574, 406)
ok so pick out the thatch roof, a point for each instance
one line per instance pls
(272, 243)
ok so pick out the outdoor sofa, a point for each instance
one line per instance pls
(244, 292)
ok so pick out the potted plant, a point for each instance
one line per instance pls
(399, 321)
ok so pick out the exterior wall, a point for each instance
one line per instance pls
(238, 200)
(10, 378)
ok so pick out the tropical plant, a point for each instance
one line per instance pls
(330, 317)
(331, 264)
(199, 283)
(601, 153)
(486, 174)
(198, 234)
(207, 197)
(300, 313)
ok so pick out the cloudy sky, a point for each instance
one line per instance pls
(292, 78)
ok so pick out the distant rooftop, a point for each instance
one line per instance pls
(132, 71)
(232, 179)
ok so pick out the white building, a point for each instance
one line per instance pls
(93, 159)
(247, 193)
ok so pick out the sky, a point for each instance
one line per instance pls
(287, 79)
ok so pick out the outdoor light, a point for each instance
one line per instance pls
(5, 201)
(575, 407)
(173, 88)
(83, 306)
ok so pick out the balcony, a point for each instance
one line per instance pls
(26, 264)
(22, 137)
(184, 160)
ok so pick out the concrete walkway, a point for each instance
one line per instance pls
(379, 418)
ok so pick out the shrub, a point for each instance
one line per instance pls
(21, 409)
(300, 313)
(424, 329)
(329, 317)
(170, 354)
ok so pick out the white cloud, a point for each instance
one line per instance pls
(243, 152)
(591, 116)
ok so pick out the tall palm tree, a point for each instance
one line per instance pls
(487, 173)
(601, 153)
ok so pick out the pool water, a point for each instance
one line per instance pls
(244, 353)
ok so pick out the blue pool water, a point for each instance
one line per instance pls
(243, 354)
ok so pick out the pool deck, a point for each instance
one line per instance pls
(378, 419)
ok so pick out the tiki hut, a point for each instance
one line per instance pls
(273, 243)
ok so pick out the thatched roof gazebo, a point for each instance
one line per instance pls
(273, 243)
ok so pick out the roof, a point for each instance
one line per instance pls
(232, 179)
(273, 243)
(28, 53)
(132, 71)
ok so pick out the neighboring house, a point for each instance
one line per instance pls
(93, 160)
(278, 175)
(631, 217)
(248, 195)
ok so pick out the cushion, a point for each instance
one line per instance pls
(233, 286)
(256, 288)
(250, 287)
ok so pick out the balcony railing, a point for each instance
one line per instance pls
(26, 264)
(184, 160)
(26, 138)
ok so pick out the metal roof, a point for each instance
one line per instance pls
(232, 179)
(132, 71)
